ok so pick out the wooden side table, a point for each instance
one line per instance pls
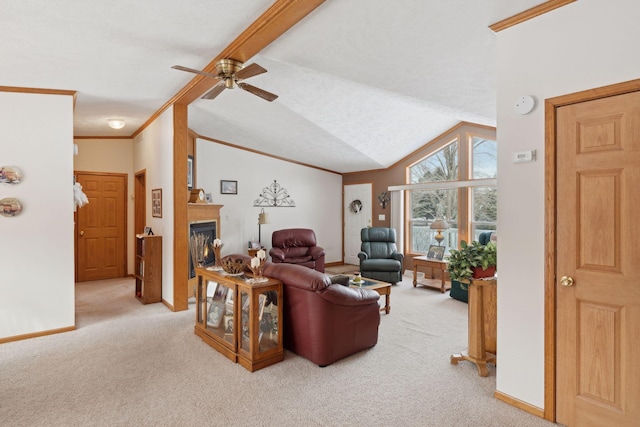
(434, 264)
(482, 325)
(253, 251)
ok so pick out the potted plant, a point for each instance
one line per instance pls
(473, 260)
(471, 257)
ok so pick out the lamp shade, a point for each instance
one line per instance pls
(439, 224)
(263, 217)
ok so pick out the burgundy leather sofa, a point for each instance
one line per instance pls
(297, 246)
(324, 322)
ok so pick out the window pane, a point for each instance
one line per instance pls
(440, 166)
(485, 210)
(426, 206)
(484, 158)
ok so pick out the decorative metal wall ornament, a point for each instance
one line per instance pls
(274, 196)
(384, 198)
(355, 206)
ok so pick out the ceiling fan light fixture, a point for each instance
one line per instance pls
(116, 123)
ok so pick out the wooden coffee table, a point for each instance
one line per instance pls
(382, 288)
(434, 264)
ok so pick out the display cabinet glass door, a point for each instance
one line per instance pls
(216, 310)
(260, 323)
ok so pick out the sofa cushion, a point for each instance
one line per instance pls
(298, 252)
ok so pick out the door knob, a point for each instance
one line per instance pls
(566, 281)
(82, 233)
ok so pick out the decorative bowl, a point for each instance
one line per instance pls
(233, 266)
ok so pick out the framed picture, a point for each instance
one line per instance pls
(228, 187)
(216, 313)
(228, 324)
(436, 252)
(190, 172)
(156, 202)
(208, 198)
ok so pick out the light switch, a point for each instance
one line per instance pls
(381, 217)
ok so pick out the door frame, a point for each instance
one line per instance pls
(550, 302)
(140, 202)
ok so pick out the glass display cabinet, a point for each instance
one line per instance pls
(240, 319)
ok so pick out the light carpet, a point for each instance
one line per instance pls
(131, 364)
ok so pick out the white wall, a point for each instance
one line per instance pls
(584, 45)
(318, 197)
(36, 266)
(111, 156)
(153, 151)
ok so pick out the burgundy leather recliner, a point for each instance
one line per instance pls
(297, 246)
(325, 322)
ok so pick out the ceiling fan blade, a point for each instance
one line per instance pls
(191, 70)
(217, 90)
(257, 91)
(250, 71)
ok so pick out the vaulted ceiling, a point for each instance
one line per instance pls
(361, 83)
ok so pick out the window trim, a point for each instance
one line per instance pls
(464, 184)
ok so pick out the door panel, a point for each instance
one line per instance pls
(354, 222)
(101, 227)
(598, 316)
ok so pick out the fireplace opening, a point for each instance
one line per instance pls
(208, 229)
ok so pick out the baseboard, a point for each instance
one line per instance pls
(334, 264)
(169, 306)
(37, 334)
(527, 407)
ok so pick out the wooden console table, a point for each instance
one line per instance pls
(434, 264)
(482, 325)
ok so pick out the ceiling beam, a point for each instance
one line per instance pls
(278, 19)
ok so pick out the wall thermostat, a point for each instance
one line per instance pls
(524, 156)
(525, 104)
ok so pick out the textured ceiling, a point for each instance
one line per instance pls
(361, 83)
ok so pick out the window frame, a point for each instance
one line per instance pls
(464, 184)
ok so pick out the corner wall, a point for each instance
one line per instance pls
(153, 151)
(36, 266)
(584, 45)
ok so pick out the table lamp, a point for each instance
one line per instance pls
(439, 225)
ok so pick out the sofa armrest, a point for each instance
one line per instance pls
(316, 252)
(342, 295)
(277, 253)
(363, 256)
(398, 256)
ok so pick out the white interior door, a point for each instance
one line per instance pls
(356, 221)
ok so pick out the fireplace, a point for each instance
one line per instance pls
(208, 229)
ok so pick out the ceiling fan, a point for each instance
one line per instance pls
(231, 73)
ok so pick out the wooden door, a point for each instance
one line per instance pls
(598, 237)
(356, 221)
(101, 227)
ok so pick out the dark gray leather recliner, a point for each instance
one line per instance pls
(379, 256)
